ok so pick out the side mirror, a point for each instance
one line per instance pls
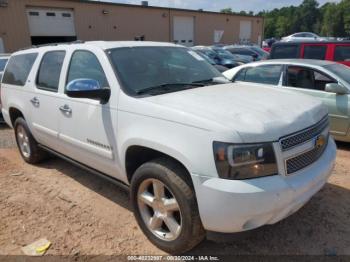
(336, 88)
(88, 88)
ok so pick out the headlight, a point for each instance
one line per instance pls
(244, 161)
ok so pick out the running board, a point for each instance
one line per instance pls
(89, 169)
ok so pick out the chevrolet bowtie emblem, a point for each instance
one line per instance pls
(320, 141)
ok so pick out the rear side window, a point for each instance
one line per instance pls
(85, 65)
(18, 69)
(285, 51)
(315, 52)
(50, 71)
(264, 74)
(342, 53)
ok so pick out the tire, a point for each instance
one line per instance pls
(177, 186)
(33, 154)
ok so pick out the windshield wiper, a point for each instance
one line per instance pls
(211, 80)
(169, 87)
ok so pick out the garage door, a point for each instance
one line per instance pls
(51, 25)
(184, 30)
(245, 31)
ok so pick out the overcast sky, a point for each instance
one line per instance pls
(217, 5)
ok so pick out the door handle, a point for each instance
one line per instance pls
(66, 109)
(35, 101)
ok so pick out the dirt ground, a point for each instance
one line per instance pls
(82, 214)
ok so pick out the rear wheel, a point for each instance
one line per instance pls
(165, 206)
(28, 147)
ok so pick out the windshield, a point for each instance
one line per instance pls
(144, 68)
(340, 70)
(2, 64)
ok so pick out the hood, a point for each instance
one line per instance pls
(257, 113)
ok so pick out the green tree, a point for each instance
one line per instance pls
(226, 11)
(345, 8)
(309, 14)
(332, 24)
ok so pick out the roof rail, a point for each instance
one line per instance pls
(53, 44)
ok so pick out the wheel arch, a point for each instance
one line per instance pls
(15, 113)
(138, 154)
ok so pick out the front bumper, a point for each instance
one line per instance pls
(229, 206)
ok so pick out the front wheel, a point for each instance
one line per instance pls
(165, 206)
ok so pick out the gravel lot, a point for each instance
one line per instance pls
(82, 214)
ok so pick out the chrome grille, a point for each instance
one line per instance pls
(305, 135)
(305, 159)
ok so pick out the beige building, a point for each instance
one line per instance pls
(27, 22)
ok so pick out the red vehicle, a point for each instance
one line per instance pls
(338, 51)
(267, 49)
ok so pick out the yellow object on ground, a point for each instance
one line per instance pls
(37, 248)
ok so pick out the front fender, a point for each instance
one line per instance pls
(189, 145)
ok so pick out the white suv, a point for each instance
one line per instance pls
(199, 154)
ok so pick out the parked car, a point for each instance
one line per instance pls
(302, 36)
(256, 53)
(239, 59)
(338, 51)
(200, 154)
(220, 68)
(325, 80)
(219, 59)
(3, 61)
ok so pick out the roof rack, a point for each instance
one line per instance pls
(53, 44)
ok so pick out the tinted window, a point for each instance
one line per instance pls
(2, 64)
(85, 65)
(315, 52)
(298, 35)
(140, 68)
(50, 70)
(264, 74)
(34, 13)
(307, 78)
(308, 35)
(342, 53)
(18, 69)
(285, 51)
(242, 51)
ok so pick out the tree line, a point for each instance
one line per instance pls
(330, 19)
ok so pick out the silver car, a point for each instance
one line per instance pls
(301, 37)
(325, 80)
